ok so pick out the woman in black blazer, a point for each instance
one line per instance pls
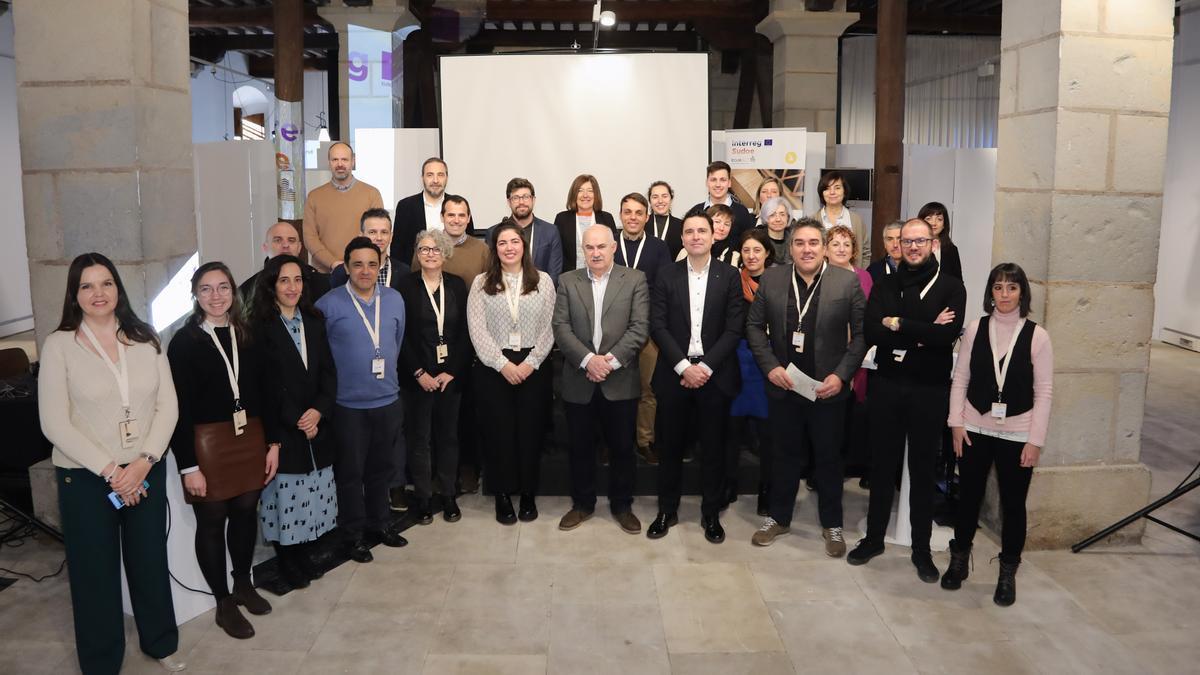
(300, 504)
(584, 209)
(437, 352)
(938, 217)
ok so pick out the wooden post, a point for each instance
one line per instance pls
(289, 112)
(889, 116)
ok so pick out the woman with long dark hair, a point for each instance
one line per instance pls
(509, 309)
(944, 250)
(226, 440)
(107, 402)
(999, 414)
(300, 504)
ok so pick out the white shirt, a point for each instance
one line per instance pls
(709, 202)
(433, 212)
(599, 286)
(843, 218)
(697, 289)
(582, 223)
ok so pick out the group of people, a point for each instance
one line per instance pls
(311, 396)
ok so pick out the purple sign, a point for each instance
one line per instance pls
(289, 132)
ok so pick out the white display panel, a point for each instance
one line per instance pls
(628, 119)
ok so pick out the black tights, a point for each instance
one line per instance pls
(242, 514)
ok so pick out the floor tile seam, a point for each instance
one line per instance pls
(886, 624)
(661, 620)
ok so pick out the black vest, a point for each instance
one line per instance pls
(1018, 383)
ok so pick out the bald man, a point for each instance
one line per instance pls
(283, 238)
(332, 210)
(601, 322)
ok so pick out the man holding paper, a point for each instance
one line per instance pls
(797, 330)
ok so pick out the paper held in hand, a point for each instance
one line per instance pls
(801, 383)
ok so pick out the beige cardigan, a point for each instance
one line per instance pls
(80, 405)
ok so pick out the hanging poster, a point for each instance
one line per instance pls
(764, 157)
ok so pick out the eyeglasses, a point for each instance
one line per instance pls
(520, 198)
(429, 250)
(915, 242)
(223, 289)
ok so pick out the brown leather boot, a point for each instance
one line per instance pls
(230, 618)
(245, 595)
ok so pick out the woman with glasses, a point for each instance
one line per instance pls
(585, 208)
(509, 309)
(436, 352)
(301, 503)
(226, 441)
(107, 403)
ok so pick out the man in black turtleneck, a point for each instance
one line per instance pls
(913, 318)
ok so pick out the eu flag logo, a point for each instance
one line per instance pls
(767, 141)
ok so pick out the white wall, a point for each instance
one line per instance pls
(16, 306)
(1177, 292)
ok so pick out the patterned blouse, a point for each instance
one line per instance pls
(489, 321)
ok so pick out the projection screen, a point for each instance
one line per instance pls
(627, 119)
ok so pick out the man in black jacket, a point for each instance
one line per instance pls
(887, 263)
(718, 182)
(283, 237)
(422, 211)
(696, 318)
(913, 318)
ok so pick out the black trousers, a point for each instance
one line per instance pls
(514, 433)
(1013, 482)
(617, 420)
(98, 538)
(803, 429)
(905, 411)
(365, 466)
(706, 409)
(433, 416)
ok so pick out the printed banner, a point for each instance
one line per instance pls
(289, 159)
(761, 158)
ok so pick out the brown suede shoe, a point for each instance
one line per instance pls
(246, 596)
(230, 619)
(573, 519)
(628, 522)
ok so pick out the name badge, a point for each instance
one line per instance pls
(798, 341)
(442, 352)
(999, 411)
(377, 368)
(514, 339)
(898, 355)
(129, 432)
(239, 421)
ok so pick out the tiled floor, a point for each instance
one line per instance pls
(475, 597)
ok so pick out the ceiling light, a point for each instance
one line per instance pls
(608, 18)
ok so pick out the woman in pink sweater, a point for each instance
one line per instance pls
(999, 411)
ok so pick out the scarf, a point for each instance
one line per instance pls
(749, 285)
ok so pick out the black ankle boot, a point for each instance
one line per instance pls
(304, 557)
(287, 558)
(246, 596)
(957, 572)
(504, 510)
(230, 619)
(1006, 584)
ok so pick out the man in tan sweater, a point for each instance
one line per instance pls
(332, 211)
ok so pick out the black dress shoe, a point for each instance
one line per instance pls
(864, 551)
(713, 531)
(450, 512)
(926, 570)
(424, 511)
(528, 510)
(358, 551)
(662, 524)
(504, 510)
(389, 538)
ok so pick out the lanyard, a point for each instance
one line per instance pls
(439, 307)
(230, 370)
(532, 225)
(303, 342)
(1002, 371)
(512, 295)
(796, 290)
(121, 374)
(373, 332)
(666, 226)
(637, 256)
(927, 286)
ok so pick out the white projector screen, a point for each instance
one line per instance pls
(627, 119)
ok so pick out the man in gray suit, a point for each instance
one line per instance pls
(601, 322)
(797, 329)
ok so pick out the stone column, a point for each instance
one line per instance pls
(1084, 93)
(106, 143)
(806, 66)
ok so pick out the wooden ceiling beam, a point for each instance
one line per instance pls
(562, 39)
(954, 24)
(237, 43)
(264, 66)
(233, 17)
(628, 11)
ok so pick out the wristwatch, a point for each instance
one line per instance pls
(150, 459)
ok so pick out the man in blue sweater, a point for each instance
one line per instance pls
(365, 325)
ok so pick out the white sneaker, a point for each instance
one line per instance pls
(172, 664)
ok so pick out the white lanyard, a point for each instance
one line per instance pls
(887, 269)
(637, 256)
(927, 286)
(303, 342)
(231, 370)
(439, 307)
(1002, 371)
(373, 332)
(122, 374)
(796, 290)
(666, 226)
(531, 248)
(512, 295)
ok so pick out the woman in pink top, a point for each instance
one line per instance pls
(999, 411)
